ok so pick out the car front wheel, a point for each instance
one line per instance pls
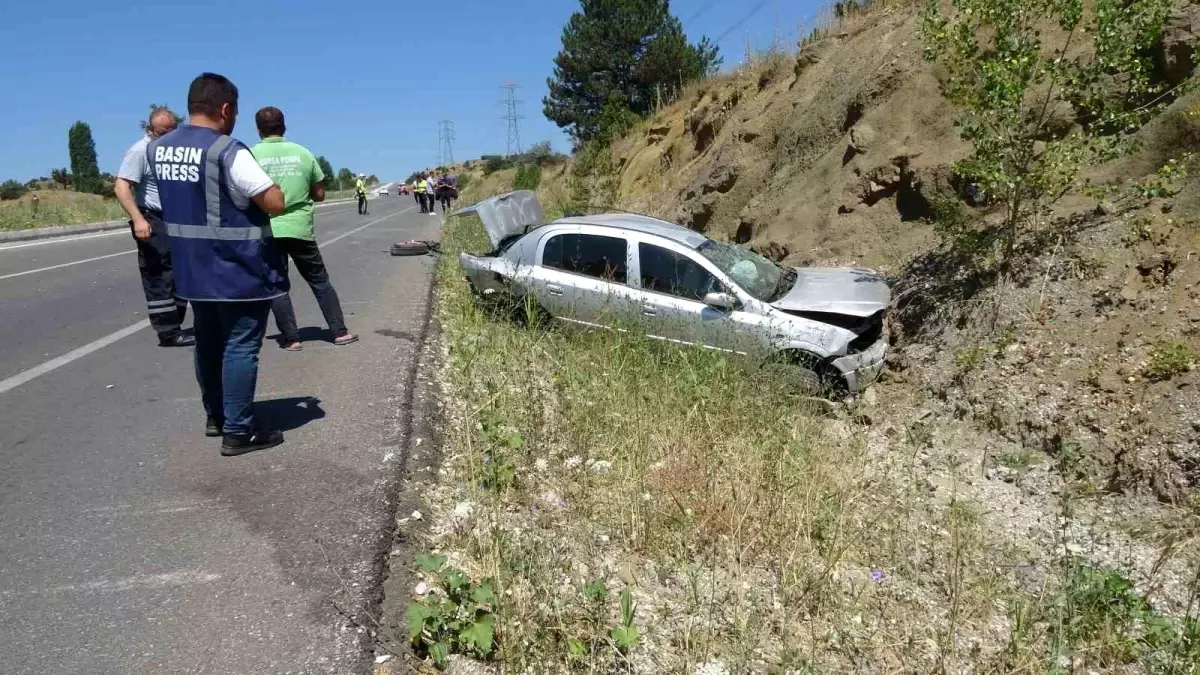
(801, 375)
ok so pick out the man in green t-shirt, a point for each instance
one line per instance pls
(296, 172)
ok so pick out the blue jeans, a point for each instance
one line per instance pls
(229, 336)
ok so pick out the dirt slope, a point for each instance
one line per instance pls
(1078, 379)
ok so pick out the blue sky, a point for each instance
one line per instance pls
(361, 83)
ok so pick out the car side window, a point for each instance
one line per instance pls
(665, 271)
(592, 255)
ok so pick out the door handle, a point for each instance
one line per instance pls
(554, 290)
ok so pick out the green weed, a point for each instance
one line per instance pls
(454, 619)
(1168, 360)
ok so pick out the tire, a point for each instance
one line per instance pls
(795, 379)
(406, 248)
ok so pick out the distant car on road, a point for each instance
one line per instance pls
(383, 191)
(403, 189)
(818, 328)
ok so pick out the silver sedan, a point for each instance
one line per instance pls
(612, 270)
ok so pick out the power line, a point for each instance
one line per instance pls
(514, 132)
(708, 4)
(446, 142)
(753, 10)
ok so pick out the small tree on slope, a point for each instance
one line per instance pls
(1038, 103)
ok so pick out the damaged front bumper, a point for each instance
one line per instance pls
(861, 369)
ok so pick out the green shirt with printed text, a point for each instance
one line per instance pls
(294, 170)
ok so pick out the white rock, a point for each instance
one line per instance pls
(711, 668)
(416, 515)
(383, 658)
(541, 465)
(421, 589)
(601, 466)
(572, 462)
(552, 498)
(463, 511)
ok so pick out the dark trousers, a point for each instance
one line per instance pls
(309, 264)
(362, 204)
(229, 337)
(424, 199)
(166, 312)
(444, 198)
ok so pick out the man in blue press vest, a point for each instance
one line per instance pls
(217, 202)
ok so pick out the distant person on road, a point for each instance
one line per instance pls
(360, 191)
(217, 202)
(431, 193)
(419, 188)
(296, 172)
(137, 191)
(446, 192)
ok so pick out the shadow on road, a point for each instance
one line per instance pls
(397, 334)
(286, 414)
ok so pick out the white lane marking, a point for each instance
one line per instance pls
(80, 237)
(359, 229)
(138, 581)
(63, 240)
(54, 364)
(55, 267)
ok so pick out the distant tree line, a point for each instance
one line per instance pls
(84, 174)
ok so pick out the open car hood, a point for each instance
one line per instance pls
(506, 215)
(836, 290)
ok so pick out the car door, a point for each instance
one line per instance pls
(583, 277)
(671, 300)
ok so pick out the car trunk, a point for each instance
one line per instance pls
(506, 217)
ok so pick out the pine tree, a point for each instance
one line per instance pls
(84, 169)
(617, 57)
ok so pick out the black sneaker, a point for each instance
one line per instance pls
(239, 444)
(212, 427)
(177, 340)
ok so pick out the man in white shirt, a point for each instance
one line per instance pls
(137, 192)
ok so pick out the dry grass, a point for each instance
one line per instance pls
(755, 535)
(58, 207)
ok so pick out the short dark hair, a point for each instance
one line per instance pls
(270, 121)
(210, 91)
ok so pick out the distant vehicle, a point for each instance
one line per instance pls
(820, 328)
(403, 189)
(383, 191)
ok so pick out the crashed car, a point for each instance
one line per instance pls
(617, 269)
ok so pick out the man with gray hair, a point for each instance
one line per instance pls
(137, 191)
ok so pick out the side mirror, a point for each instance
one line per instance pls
(722, 301)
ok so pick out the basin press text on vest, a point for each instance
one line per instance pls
(177, 163)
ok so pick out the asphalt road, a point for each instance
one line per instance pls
(127, 543)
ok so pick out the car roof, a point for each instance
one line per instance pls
(638, 223)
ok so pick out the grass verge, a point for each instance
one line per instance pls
(58, 207)
(614, 504)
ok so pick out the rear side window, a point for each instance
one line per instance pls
(589, 254)
(665, 271)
